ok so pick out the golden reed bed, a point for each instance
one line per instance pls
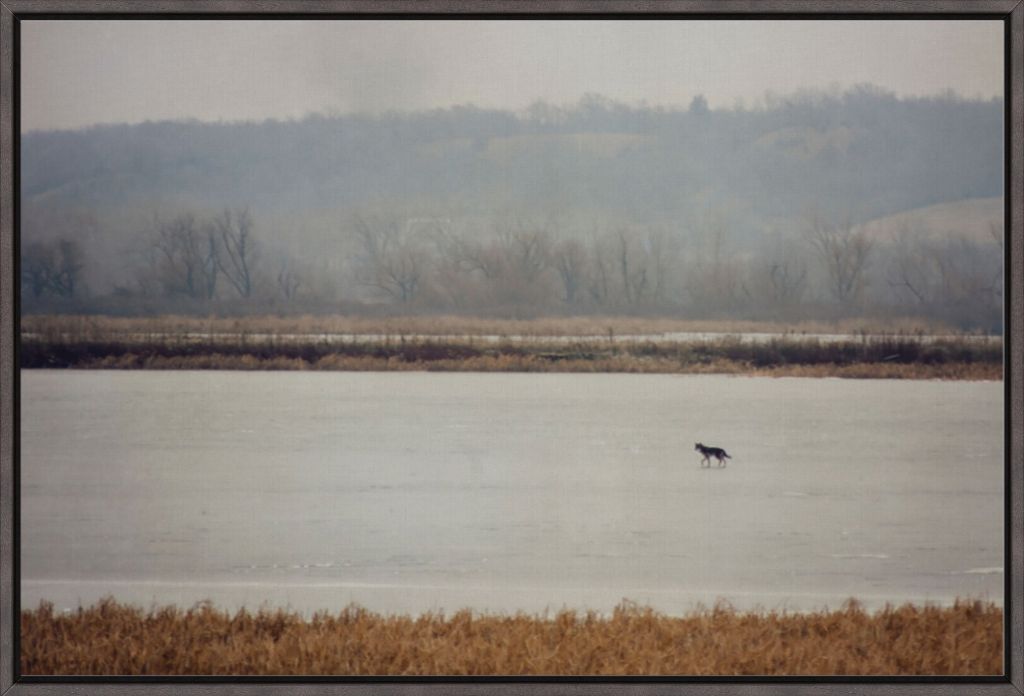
(116, 639)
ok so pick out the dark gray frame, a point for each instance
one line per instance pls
(1012, 13)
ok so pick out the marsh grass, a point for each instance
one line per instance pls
(451, 325)
(117, 639)
(884, 356)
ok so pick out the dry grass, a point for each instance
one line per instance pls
(456, 326)
(111, 638)
(973, 371)
(896, 356)
(533, 363)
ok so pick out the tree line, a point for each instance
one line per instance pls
(517, 266)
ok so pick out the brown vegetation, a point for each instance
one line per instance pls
(453, 325)
(530, 363)
(116, 639)
(136, 344)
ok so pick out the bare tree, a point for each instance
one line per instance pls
(52, 268)
(400, 274)
(599, 286)
(527, 249)
(910, 264)
(713, 281)
(779, 274)
(288, 279)
(787, 279)
(452, 278)
(69, 267)
(570, 259)
(477, 257)
(38, 265)
(396, 263)
(663, 255)
(956, 280)
(508, 268)
(185, 257)
(845, 252)
(968, 274)
(632, 266)
(238, 252)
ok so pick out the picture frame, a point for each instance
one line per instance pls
(1011, 12)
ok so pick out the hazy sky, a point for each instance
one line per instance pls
(77, 73)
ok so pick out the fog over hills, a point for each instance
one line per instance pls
(597, 206)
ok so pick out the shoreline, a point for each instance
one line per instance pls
(954, 371)
(114, 638)
(462, 344)
(882, 359)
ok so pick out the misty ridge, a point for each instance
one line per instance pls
(816, 205)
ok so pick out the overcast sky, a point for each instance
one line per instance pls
(78, 73)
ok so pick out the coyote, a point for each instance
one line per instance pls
(708, 452)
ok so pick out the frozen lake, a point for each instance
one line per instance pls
(407, 492)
